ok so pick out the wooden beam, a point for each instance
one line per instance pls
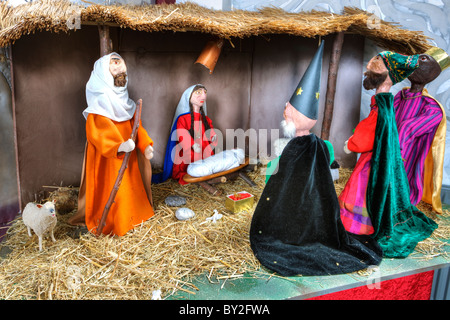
(105, 40)
(16, 141)
(331, 85)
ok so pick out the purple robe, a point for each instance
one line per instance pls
(417, 119)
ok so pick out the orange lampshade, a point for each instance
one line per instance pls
(210, 54)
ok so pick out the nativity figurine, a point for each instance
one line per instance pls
(109, 122)
(191, 137)
(422, 127)
(296, 228)
(375, 200)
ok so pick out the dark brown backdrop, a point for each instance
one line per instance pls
(248, 90)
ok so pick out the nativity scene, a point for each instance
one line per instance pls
(140, 164)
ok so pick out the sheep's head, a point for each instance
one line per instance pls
(48, 207)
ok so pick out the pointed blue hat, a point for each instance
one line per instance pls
(306, 96)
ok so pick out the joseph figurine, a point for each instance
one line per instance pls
(109, 123)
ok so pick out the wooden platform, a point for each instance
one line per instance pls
(265, 285)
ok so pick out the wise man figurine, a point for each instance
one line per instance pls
(379, 181)
(296, 227)
(422, 127)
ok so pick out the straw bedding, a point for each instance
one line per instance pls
(53, 15)
(160, 254)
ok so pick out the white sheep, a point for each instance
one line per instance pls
(41, 218)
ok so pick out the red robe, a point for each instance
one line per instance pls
(352, 199)
(184, 154)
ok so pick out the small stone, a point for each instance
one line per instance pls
(184, 214)
(175, 201)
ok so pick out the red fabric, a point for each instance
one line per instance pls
(184, 154)
(364, 135)
(414, 287)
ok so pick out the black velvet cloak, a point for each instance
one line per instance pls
(296, 227)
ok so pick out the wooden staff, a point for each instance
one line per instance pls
(137, 119)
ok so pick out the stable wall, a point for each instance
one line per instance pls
(251, 83)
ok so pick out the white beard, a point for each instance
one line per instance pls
(289, 129)
(289, 133)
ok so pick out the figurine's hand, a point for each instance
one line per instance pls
(127, 146)
(149, 152)
(197, 148)
(346, 150)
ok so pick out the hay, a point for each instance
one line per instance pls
(52, 15)
(160, 254)
(66, 199)
(437, 243)
(431, 247)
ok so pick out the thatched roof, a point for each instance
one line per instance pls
(52, 15)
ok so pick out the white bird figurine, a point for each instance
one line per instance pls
(216, 216)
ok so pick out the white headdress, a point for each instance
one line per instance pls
(103, 97)
(183, 104)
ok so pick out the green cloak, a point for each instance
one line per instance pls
(398, 225)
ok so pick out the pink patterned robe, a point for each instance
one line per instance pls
(417, 119)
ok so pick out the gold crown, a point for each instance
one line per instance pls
(440, 56)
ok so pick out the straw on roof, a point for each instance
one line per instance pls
(52, 15)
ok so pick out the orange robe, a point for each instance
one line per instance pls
(132, 204)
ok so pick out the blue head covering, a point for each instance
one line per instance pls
(182, 109)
